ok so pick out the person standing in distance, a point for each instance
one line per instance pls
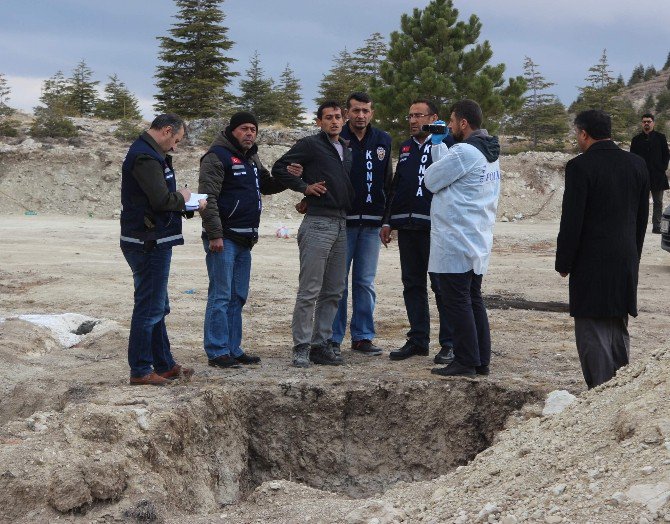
(465, 181)
(653, 147)
(408, 211)
(151, 211)
(322, 237)
(602, 254)
(371, 175)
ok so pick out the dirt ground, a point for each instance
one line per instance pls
(76, 439)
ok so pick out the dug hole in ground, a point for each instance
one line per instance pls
(372, 441)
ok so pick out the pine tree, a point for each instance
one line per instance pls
(637, 75)
(341, 80)
(54, 97)
(290, 101)
(367, 60)
(649, 73)
(81, 90)
(620, 80)
(603, 92)
(196, 76)
(119, 103)
(542, 115)
(258, 95)
(667, 63)
(5, 91)
(649, 103)
(436, 56)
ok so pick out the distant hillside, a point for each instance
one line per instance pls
(638, 93)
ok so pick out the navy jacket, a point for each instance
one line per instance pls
(371, 175)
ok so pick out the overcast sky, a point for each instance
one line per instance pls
(565, 37)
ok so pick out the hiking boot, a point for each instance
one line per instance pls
(152, 379)
(445, 356)
(324, 355)
(336, 349)
(408, 350)
(366, 347)
(482, 370)
(455, 369)
(224, 361)
(177, 371)
(246, 359)
(301, 356)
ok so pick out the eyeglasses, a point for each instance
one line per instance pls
(418, 115)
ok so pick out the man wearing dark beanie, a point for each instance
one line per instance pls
(233, 178)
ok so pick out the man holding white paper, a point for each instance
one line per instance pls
(232, 176)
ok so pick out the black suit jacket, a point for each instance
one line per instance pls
(654, 149)
(604, 218)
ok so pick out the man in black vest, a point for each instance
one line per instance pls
(151, 211)
(371, 175)
(653, 147)
(322, 237)
(408, 211)
(232, 176)
(602, 253)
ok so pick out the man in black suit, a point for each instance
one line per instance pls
(653, 147)
(604, 219)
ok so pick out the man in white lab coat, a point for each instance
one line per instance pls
(465, 181)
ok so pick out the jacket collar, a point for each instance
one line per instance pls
(602, 144)
(341, 140)
(154, 145)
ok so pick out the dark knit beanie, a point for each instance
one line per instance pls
(242, 117)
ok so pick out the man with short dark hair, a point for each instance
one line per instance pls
(151, 211)
(653, 147)
(408, 211)
(603, 223)
(322, 237)
(465, 181)
(371, 175)
(232, 176)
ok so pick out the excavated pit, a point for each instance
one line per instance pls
(195, 449)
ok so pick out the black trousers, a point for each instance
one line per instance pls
(466, 312)
(414, 249)
(603, 345)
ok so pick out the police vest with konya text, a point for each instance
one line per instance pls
(370, 158)
(239, 201)
(141, 226)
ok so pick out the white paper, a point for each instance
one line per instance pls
(193, 204)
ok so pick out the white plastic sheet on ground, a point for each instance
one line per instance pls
(61, 326)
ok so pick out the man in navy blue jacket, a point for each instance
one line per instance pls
(408, 211)
(151, 209)
(371, 175)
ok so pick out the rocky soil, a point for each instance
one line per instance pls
(374, 441)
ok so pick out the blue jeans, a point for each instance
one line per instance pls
(229, 273)
(363, 245)
(148, 344)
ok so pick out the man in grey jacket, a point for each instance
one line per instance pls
(322, 239)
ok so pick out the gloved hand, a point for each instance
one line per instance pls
(437, 139)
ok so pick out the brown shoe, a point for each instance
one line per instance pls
(176, 372)
(152, 379)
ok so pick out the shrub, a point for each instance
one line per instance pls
(127, 131)
(48, 124)
(9, 127)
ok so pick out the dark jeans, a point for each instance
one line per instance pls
(465, 311)
(657, 209)
(414, 249)
(148, 344)
(603, 345)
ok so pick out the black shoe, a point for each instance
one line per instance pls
(455, 369)
(445, 356)
(324, 355)
(408, 350)
(335, 348)
(366, 347)
(248, 359)
(224, 361)
(482, 370)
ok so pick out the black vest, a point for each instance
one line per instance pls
(370, 158)
(137, 216)
(239, 201)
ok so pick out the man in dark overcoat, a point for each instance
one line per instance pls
(603, 222)
(653, 147)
